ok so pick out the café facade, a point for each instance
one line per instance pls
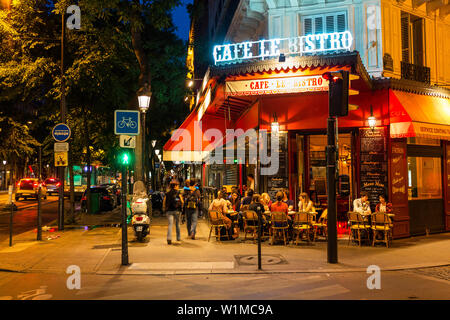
(395, 139)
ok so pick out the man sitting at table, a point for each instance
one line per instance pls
(248, 198)
(257, 206)
(219, 204)
(362, 205)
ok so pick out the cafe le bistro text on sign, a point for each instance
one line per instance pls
(262, 49)
(276, 86)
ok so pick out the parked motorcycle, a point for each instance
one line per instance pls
(140, 219)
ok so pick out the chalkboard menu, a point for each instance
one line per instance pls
(280, 180)
(373, 164)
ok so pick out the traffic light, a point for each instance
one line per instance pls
(338, 92)
(125, 158)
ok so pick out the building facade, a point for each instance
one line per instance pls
(267, 58)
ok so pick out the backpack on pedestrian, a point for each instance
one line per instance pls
(192, 200)
(173, 201)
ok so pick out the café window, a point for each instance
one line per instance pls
(424, 178)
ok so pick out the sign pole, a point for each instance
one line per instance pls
(11, 224)
(259, 238)
(39, 217)
(124, 216)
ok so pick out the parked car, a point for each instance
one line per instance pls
(28, 188)
(106, 198)
(115, 189)
(52, 185)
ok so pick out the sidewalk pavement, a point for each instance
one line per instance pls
(97, 250)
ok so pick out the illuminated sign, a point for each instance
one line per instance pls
(276, 86)
(313, 43)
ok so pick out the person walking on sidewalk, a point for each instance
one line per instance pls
(172, 204)
(192, 200)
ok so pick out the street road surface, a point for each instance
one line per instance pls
(404, 285)
(25, 218)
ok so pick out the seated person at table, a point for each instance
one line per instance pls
(362, 205)
(248, 198)
(265, 200)
(305, 204)
(279, 205)
(256, 204)
(234, 200)
(383, 205)
(219, 204)
(235, 190)
(288, 201)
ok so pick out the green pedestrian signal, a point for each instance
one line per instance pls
(125, 158)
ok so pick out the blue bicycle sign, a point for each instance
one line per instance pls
(126, 122)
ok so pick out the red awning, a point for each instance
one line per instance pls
(414, 115)
(192, 141)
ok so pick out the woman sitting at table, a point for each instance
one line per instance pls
(265, 200)
(279, 205)
(220, 204)
(383, 205)
(234, 200)
(305, 204)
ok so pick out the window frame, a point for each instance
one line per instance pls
(323, 16)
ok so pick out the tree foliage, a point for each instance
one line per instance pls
(122, 45)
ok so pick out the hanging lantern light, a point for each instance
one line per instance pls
(372, 120)
(275, 124)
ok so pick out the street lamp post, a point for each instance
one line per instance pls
(144, 103)
(4, 175)
(152, 164)
(157, 171)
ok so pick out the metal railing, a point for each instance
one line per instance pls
(415, 72)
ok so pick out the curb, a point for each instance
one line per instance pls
(5, 212)
(210, 272)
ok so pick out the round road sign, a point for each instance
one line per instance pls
(61, 132)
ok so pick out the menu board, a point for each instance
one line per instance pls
(373, 164)
(280, 180)
(398, 169)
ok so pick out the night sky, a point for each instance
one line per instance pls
(181, 20)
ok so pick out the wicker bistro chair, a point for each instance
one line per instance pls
(302, 224)
(279, 225)
(217, 223)
(357, 224)
(321, 225)
(381, 224)
(251, 225)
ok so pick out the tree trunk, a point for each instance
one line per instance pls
(144, 85)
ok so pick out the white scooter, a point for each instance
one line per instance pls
(140, 219)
